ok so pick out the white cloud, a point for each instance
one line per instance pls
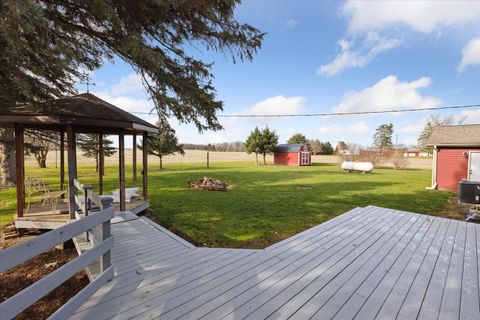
(278, 105)
(422, 16)
(290, 23)
(471, 116)
(126, 103)
(411, 128)
(357, 128)
(470, 54)
(131, 83)
(286, 133)
(387, 94)
(372, 45)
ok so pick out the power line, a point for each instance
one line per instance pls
(326, 114)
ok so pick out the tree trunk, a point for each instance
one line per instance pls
(256, 159)
(41, 157)
(7, 161)
(264, 160)
(161, 163)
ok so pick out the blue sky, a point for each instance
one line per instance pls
(321, 56)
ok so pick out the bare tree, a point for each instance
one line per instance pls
(399, 161)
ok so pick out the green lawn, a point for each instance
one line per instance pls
(265, 204)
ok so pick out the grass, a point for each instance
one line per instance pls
(266, 203)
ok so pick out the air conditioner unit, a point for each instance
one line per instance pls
(469, 192)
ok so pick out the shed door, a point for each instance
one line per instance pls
(304, 159)
(474, 166)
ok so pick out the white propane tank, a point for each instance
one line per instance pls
(357, 166)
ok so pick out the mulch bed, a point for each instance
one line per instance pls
(454, 210)
(25, 274)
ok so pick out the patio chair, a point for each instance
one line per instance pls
(37, 191)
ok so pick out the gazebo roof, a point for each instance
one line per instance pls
(85, 111)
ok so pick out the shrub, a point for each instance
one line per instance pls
(399, 161)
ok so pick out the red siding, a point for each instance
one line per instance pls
(286, 158)
(452, 166)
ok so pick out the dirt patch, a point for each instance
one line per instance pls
(25, 274)
(454, 210)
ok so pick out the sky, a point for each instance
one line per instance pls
(330, 56)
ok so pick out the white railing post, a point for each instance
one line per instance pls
(107, 256)
(86, 207)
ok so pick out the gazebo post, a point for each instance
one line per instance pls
(100, 163)
(72, 170)
(62, 162)
(121, 153)
(145, 166)
(134, 159)
(20, 168)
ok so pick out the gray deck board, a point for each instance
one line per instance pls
(318, 275)
(389, 283)
(356, 272)
(345, 299)
(469, 308)
(368, 263)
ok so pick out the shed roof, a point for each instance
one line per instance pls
(289, 147)
(83, 110)
(458, 135)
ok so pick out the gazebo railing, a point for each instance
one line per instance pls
(24, 251)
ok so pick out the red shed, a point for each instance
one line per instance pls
(293, 155)
(456, 155)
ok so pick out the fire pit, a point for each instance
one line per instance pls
(209, 184)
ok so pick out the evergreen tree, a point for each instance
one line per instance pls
(382, 139)
(46, 44)
(90, 145)
(297, 138)
(163, 143)
(268, 143)
(252, 145)
(327, 148)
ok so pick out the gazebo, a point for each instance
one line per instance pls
(83, 113)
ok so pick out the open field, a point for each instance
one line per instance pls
(200, 156)
(266, 204)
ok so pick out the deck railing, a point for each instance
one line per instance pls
(102, 244)
(87, 202)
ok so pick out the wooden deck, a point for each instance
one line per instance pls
(369, 263)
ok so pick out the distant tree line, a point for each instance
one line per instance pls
(320, 147)
(236, 146)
